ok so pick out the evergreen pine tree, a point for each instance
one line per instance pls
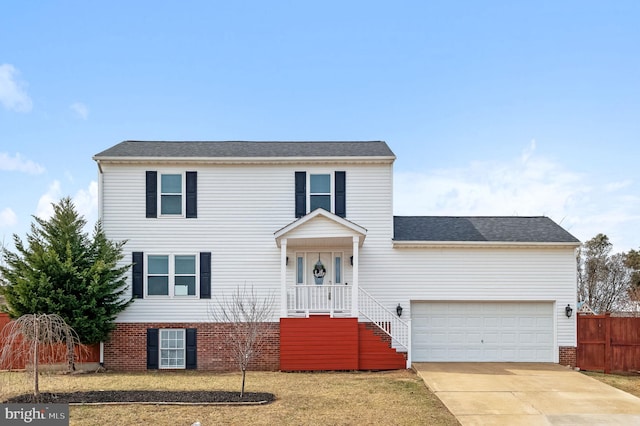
(60, 270)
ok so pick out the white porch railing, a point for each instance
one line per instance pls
(388, 321)
(307, 299)
(335, 300)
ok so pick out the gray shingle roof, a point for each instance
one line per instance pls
(514, 229)
(245, 149)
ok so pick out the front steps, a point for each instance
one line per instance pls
(322, 343)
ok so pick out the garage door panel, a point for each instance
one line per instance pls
(482, 331)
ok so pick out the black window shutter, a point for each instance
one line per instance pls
(138, 275)
(192, 349)
(192, 194)
(153, 355)
(301, 194)
(152, 194)
(205, 275)
(341, 194)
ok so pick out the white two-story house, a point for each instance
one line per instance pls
(312, 224)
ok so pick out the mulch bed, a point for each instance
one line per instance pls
(149, 397)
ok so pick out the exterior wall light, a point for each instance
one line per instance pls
(568, 311)
(399, 310)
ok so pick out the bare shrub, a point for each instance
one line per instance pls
(247, 313)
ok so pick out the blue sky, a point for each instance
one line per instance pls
(492, 108)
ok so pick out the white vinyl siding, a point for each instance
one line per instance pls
(239, 209)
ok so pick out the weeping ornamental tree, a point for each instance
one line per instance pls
(35, 339)
(61, 270)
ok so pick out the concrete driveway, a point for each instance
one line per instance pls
(527, 394)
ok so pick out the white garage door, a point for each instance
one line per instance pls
(482, 331)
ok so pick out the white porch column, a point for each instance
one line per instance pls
(354, 288)
(283, 278)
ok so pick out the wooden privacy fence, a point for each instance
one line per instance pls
(608, 343)
(54, 354)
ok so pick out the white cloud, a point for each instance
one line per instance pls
(12, 93)
(80, 110)
(527, 153)
(616, 186)
(52, 196)
(8, 218)
(86, 202)
(529, 185)
(17, 163)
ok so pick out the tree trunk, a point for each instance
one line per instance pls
(244, 373)
(36, 389)
(71, 364)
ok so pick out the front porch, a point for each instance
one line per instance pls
(328, 322)
(321, 332)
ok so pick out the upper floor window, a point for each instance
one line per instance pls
(320, 190)
(171, 194)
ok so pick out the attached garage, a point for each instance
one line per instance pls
(482, 331)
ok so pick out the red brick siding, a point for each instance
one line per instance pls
(127, 348)
(568, 355)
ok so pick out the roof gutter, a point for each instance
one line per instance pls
(228, 160)
(478, 244)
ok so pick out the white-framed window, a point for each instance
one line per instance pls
(320, 193)
(171, 194)
(338, 269)
(172, 275)
(172, 348)
(299, 269)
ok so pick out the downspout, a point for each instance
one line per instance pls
(100, 203)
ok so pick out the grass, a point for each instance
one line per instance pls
(627, 382)
(335, 398)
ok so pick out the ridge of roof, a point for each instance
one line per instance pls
(245, 149)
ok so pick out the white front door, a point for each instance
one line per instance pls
(319, 268)
(321, 285)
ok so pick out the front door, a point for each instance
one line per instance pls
(319, 268)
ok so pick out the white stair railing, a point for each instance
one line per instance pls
(387, 320)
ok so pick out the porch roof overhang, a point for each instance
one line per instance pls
(321, 228)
